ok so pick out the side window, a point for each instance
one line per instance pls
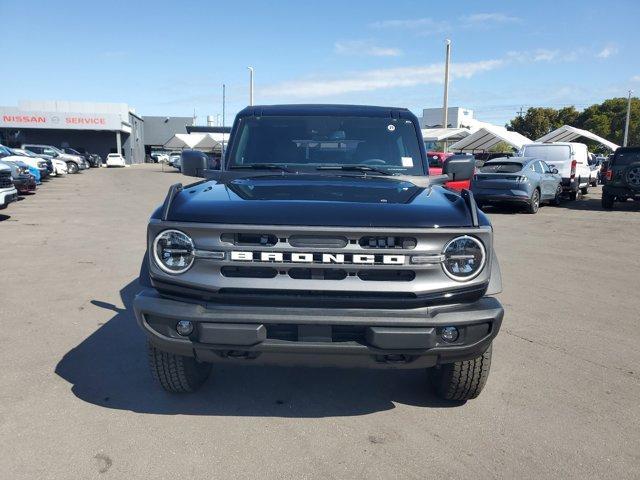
(546, 168)
(537, 167)
(48, 151)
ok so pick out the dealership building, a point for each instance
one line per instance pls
(100, 128)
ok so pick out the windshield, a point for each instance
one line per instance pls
(626, 158)
(312, 142)
(548, 153)
(501, 167)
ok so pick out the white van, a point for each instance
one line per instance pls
(570, 158)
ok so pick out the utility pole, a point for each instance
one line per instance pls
(445, 103)
(626, 125)
(224, 99)
(224, 87)
(250, 85)
(520, 112)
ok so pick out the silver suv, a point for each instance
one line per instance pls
(75, 163)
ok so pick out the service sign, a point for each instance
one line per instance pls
(15, 118)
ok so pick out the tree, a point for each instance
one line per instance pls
(606, 119)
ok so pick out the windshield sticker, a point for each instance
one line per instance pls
(407, 161)
(391, 128)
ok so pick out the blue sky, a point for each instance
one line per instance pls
(167, 58)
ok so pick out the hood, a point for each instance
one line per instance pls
(318, 200)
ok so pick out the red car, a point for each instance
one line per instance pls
(436, 161)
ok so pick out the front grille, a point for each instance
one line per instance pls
(5, 179)
(329, 267)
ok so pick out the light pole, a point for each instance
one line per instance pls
(445, 103)
(626, 125)
(250, 85)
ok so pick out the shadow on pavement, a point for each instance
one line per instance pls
(4, 217)
(109, 369)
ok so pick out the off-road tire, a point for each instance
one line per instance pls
(534, 203)
(72, 167)
(176, 373)
(584, 190)
(462, 381)
(607, 201)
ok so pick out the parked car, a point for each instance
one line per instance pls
(569, 158)
(595, 164)
(85, 156)
(59, 167)
(160, 157)
(37, 167)
(174, 160)
(115, 160)
(517, 180)
(75, 163)
(622, 178)
(8, 192)
(22, 179)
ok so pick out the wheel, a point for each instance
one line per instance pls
(584, 190)
(573, 195)
(594, 182)
(177, 374)
(607, 201)
(558, 196)
(72, 167)
(534, 202)
(462, 380)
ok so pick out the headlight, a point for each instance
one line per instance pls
(173, 251)
(464, 258)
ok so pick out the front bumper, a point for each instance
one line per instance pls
(7, 196)
(375, 338)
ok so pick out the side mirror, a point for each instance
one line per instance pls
(460, 168)
(554, 170)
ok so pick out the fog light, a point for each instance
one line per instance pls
(185, 328)
(449, 334)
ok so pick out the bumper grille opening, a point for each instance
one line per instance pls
(387, 275)
(317, 273)
(339, 333)
(249, 272)
(406, 243)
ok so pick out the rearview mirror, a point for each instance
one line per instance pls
(459, 168)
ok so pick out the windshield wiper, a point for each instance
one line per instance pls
(260, 166)
(355, 168)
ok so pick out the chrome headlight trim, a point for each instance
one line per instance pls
(458, 278)
(161, 265)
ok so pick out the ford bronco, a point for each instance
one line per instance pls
(322, 240)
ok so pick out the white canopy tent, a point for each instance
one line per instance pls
(184, 140)
(444, 134)
(488, 136)
(567, 133)
(212, 141)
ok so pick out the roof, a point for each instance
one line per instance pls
(325, 109)
(207, 128)
(567, 133)
(439, 134)
(487, 137)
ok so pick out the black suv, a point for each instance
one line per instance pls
(622, 177)
(322, 240)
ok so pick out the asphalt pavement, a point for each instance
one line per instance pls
(77, 399)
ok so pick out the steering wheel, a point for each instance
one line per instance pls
(374, 161)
